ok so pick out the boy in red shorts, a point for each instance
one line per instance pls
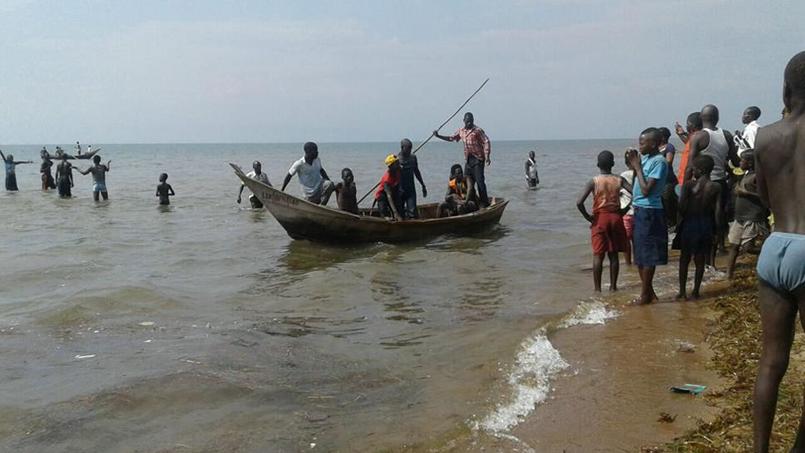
(608, 235)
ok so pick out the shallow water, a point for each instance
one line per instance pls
(204, 326)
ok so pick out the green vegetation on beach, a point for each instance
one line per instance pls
(735, 338)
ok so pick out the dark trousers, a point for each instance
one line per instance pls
(475, 169)
(409, 204)
(384, 204)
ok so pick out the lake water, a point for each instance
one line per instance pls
(204, 327)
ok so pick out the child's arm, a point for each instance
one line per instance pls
(109, 165)
(3, 156)
(588, 189)
(157, 194)
(683, 197)
(171, 192)
(82, 171)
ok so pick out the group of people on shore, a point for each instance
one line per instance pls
(712, 197)
(395, 195)
(737, 189)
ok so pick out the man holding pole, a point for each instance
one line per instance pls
(476, 150)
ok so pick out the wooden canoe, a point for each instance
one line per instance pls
(305, 220)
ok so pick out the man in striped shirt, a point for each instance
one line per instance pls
(477, 149)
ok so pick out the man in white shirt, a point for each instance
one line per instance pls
(316, 185)
(258, 175)
(746, 140)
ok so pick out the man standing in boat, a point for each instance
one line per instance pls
(409, 168)
(316, 185)
(477, 149)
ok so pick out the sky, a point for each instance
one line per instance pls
(223, 71)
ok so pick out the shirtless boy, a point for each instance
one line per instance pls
(99, 177)
(164, 190)
(699, 208)
(780, 167)
(346, 192)
(64, 177)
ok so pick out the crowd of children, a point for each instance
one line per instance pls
(634, 212)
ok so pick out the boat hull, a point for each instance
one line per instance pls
(304, 220)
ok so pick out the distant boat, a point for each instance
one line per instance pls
(305, 220)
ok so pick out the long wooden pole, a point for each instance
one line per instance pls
(437, 130)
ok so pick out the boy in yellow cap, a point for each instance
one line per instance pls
(387, 196)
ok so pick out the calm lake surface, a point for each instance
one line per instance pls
(204, 327)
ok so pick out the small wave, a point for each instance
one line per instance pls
(592, 312)
(535, 366)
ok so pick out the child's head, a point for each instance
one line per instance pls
(702, 165)
(665, 135)
(649, 141)
(626, 160)
(257, 166)
(346, 175)
(532, 155)
(606, 160)
(9, 157)
(456, 172)
(748, 160)
(163, 177)
(96, 159)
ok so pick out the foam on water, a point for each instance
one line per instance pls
(537, 363)
(591, 312)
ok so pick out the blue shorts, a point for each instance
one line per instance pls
(99, 187)
(650, 236)
(782, 262)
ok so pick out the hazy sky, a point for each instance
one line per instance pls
(344, 70)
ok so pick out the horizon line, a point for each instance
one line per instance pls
(300, 142)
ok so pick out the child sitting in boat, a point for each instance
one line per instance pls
(455, 201)
(346, 192)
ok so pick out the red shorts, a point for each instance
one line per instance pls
(628, 223)
(608, 234)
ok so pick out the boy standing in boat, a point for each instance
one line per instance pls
(700, 209)
(409, 169)
(258, 175)
(608, 235)
(388, 192)
(316, 185)
(346, 192)
(477, 150)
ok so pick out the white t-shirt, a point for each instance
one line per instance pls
(309, 175)
(749, 134)
(263, 178)
(626, 196)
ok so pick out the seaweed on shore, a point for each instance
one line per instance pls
(734, 337)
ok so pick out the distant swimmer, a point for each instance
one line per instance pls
(45, 170)
(650, 230)
(477, 152)
(99, 177)
(409, 169)
(388, 191)
(64, 177)
(745, 140)
(11, 173)
(164, 190)
(316, 185)
(258, 175)
(780, 167)
(607, 233)
(531, 175)
(700, 208)
(346, 192)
